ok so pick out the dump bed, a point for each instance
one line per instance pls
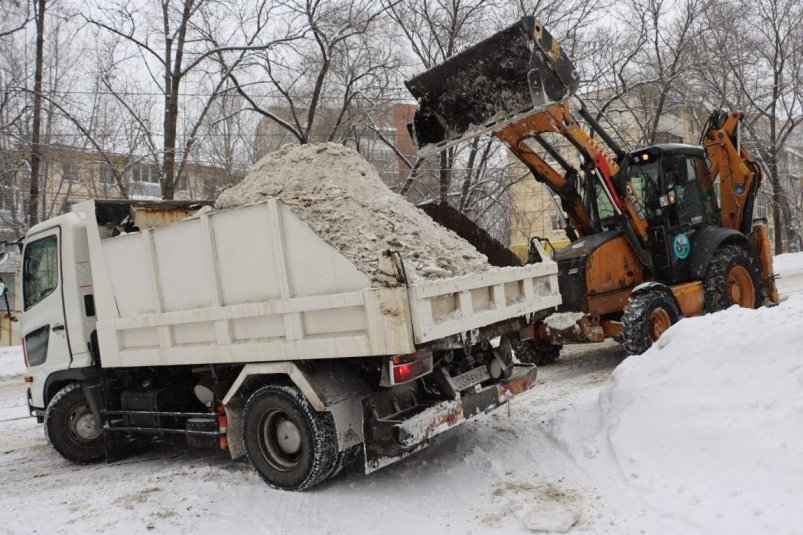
(257, 284)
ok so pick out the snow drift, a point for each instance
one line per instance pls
(342, 198)
(707, 426)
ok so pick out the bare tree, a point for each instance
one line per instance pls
(754, 62)
(191, 34)
(325, 78)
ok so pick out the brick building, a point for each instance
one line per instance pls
(364, 136)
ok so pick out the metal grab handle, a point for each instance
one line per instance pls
(57, 327)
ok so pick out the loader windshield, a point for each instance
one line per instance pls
(645, 180)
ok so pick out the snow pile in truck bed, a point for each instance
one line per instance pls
(707, 426)
(340, 195)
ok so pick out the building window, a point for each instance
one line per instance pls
(70, 172)
(11, 202)
(667, 137)
(557, 222)
(145, 172)
(108, 175)
(379, 151)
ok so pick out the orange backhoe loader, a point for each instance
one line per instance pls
(656, 234)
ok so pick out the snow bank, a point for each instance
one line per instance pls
(707, 426)
(340, 195)
(788, 262)
(12, 363)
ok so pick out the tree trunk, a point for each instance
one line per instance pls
(777, 199)
(445, 175)
(36, 148)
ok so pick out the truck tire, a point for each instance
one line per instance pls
(732, 278)
(646, 316)
(528, 352)
(70, 427)
(289, 444)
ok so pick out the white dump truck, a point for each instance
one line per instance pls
(245, 330)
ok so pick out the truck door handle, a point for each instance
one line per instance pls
(57, 327)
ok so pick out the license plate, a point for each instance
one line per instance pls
(470, 378)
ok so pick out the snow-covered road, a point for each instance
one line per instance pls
(481, 478)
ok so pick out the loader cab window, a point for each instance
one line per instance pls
(645, 177)
(681, 175)
(40, 270)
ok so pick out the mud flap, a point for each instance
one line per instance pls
(393, 438)
(515, 72)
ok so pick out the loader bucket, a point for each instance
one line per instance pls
(513, 73)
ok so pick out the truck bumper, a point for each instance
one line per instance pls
(388, 440)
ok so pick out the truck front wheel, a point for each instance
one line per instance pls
(291, 445)
(71, 429)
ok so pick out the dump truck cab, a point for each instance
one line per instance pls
(58, 309)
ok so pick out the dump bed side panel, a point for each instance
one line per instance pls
(451, 306)
(243, 285)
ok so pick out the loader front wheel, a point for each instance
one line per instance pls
(532, 352)
(646, 317)
(290, 445)
(71, 429)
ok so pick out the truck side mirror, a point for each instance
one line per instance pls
(2, 286)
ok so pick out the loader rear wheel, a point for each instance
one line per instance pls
(70, 427)
(289, 444)
(732, 278)
(646, 317)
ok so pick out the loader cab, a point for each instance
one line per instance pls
(670, 180)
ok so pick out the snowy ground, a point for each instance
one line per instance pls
(639, 453)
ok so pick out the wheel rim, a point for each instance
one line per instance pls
(659, 323)
(81, 425)
(740, 287)
(280, 440)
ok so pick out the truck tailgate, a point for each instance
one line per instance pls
(451, 306)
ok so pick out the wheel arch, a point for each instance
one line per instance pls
(706, 241)
(342, 398)
(654, 286)
(58, 380)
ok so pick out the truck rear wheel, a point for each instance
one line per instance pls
(290, 444)
(733, 278)
(646, 317)
(71, 429)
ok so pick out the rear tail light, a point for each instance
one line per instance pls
(404, 368)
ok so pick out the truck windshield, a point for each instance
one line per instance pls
(40, 270)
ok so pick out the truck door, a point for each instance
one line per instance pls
(43, 329)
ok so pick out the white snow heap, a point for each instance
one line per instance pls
(707, 426)
(342, 198)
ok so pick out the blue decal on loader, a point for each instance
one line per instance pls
(682, 246)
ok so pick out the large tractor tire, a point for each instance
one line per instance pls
(646, 317)
(529, 352)
(289, 444)
(732, 278)
(70, 427)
